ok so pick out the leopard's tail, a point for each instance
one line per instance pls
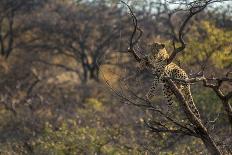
(189, 99)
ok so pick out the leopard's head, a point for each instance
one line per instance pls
(157, 53)
(156, 47)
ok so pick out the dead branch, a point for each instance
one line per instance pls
(202, 78)
(163, 128)
(132, 43)
(191, 12)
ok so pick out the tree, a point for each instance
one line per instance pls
(197, 128)
(9, 10)
(84, 32)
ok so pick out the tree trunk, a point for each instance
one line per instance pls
(200, 129)
(211, 146)
(208, 142)
(228, 109)
(94, 73)
(85, 73)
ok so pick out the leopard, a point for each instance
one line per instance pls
(157, 61)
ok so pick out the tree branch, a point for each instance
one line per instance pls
(132, 43)
(192, 11)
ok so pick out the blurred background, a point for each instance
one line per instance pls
(63, 61)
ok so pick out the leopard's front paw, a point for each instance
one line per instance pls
(149, 96)
(141, 67)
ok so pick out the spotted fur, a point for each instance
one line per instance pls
(157, 60)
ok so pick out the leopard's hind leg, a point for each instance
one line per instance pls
(168, 94)
(151, 92)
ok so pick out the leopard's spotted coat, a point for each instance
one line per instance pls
(157, 60)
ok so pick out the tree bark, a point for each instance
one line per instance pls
(208, 141)
(85, 73)
(199, 128)
(228, 109)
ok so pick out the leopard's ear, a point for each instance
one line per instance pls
(162, 46)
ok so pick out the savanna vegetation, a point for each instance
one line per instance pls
(69, 84)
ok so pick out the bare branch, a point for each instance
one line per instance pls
(165, 129)
(192, 11)
(132, 43)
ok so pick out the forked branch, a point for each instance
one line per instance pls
(132, 43)
(195, 8)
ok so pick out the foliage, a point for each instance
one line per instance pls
(209, 43)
